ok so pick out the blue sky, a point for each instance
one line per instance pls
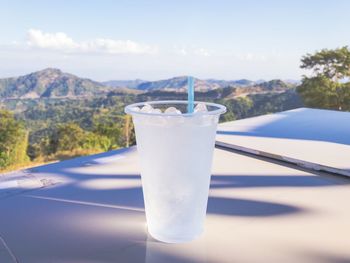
(159, 39)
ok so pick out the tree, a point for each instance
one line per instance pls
(13, 140)
(41, 149)
(69, 137)
(72, 137)
(109, 130)
(329, 86)
(93, 141)
(116, 127)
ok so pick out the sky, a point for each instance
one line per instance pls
(159, 39)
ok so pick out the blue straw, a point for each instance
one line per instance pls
(190, 94)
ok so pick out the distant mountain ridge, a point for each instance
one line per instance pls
(178, 84)
(53, 83)
(226, 83)
(49, 83)
(132, 84)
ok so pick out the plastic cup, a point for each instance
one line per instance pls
(175, 152)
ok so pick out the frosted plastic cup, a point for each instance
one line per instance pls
(175, 152)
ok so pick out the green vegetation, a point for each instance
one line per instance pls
(259, 104)
(329, 85)
(13, 141)
(79, 126)
(63, 128)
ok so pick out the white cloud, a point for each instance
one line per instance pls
(184, 51)
(62, 42)
(202, 52)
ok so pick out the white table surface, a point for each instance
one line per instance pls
(318, 139)
(90, 209)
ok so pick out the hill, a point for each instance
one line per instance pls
(226, 92)
(234, 83)
(275, 84)
(51, 83)
(178, 84)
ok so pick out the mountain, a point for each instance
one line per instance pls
(50, 83)
(275, 84)
(235, 83)
(178, 84)
(243, 82)
(53, 83)
(227, 92)
(260, 81)
(132, 84)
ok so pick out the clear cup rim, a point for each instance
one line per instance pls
(129, 109)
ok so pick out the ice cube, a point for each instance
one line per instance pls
(135, 109)
(147, 108)
(172, 110)
(157, 111)
(201, 107)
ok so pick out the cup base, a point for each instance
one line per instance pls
(173, 239)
